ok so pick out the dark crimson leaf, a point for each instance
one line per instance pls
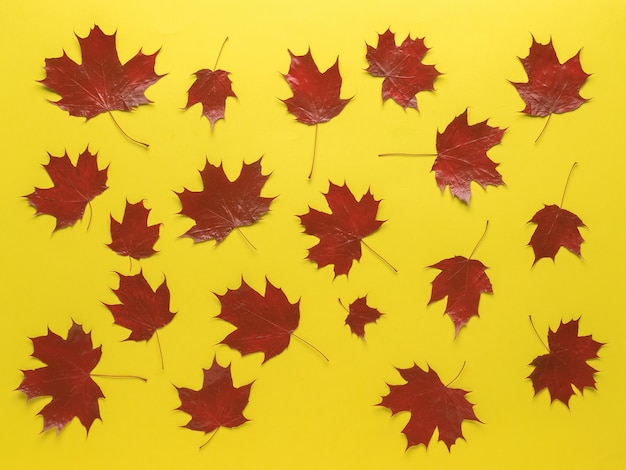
(556, 228)
(360, 314)
(73, 188)
(133, 236)
(431, 404)
(211, 88)
(65, 378)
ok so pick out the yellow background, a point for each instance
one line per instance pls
(306, 413)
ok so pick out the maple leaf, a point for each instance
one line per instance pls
(552, 87)
(462, 156)
(431, 404)
(359, 315)
(342, 231)
(462, 280)
(225, 205)
(265, 323)
(217, 404)
(65, 378)
(142, 310)
(74, 186)
(405, 74)
(133, 236)
(211, 88)
(566, 363)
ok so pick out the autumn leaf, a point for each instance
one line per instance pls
(405, 75)
(341, 232)
(223, 205)
(431, 404)
(359, 315)
(553, 87)
(100, 83)
(74, 186)
(217, 404)
(566, 363)
(316, 95)
(66, 378)
(133, 236)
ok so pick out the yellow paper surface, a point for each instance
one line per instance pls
(306, 413)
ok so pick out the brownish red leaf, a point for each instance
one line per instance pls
(402, 67)
(264, 323)
(74, 186)
(462, 280)
(556, 228)
(431, 404)
(225, 205)
(211, 88)
(341, 231)
(566, 363)
(359, 315)
(65, 378)
(217, 404)
(100, 83)
(133, 236)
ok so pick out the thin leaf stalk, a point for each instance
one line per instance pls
(379, 256)
(124, 132)
(479, 240)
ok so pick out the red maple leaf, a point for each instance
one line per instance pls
(315, 94)
(556, 228)
(342, 231)
(141, 309)
(552, 87)
(566, 363)
(359, 315)
(100, 83)
(405, 74)
(211, 88)
(462, 280)
(265, 323)
(217, 403)
(133, 236)
(73, 188)
(431, 404)
(65, 378)
(225, 205)
(462, 156)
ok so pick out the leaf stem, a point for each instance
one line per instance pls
(310, 346)
(246, 238)
(210, 438)
(219, 54)
(567, 182)
(109, 376)
(90, 214)
(125, 134)
(389, 265)
(314, 151)
(344, 307)
(537, 334)
(408, 154)
(156, 333)
(544, 128)
(479, 240)
(457, 375)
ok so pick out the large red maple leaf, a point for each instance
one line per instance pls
(100, 83)
(552, 87)
(462, 156)
(223, 205)
(342, 231)
(142, 310)
(265, 323)
(359, 315)
(211, 88)
(66, 378)
(566, 363)
(217, 404)
(133, 236)
(462, 280)
(556, 228)
(431, 404)
(73, 188)
(402, 67)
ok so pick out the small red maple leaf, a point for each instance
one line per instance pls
(133, 236)
(462, 156)
(217, 404)
(73, 188)
(431, 404)
(100, 83)
(359, 315)
(405, 74)
(211, 88)
(142, 310)
(462, 280)
(552, 87)
(265, 323)
(223, 205)
(315, 94)
(342, 231)
(66, 378)
(556, 228)
(566, 363)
